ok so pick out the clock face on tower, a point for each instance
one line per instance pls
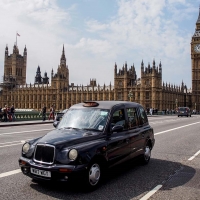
(197, 48)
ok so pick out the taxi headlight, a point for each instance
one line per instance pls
(26, 147)
(73, 153)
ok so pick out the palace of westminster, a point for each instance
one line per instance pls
(148, 90)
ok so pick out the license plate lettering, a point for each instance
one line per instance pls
(41, 172)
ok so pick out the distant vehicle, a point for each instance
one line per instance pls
(184, 111)
(91, 137)
(59, 115)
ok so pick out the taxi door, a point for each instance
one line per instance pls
(134, 131)
(144, 128)
(118, 143)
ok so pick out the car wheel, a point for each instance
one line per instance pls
(187, 115)
(147, 155)
(178, 115)
(93, 175)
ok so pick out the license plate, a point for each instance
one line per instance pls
(41, 172)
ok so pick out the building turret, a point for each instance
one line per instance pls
(63, 58)
(45, 79)
(15, 50)
(154, 64)
(6, 51)
(115, 69)
(142, 66)
(38, 77)
(25, 51)
(160, 68)
(61, 78)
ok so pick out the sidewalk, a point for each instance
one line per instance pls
(20, 123)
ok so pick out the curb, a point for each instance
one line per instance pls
(24, 123)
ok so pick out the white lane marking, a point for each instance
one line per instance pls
(149, 194)
(10, 173)
(22, 141)
(25, 131)
(176, 128)
(196, 154)
(10, 145)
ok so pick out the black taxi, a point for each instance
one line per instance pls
(91, 137)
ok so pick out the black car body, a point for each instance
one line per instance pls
(91, 137)
(184, 111)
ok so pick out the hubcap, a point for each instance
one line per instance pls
(94, 174)
(147, 153)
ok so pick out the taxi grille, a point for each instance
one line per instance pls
(44, 153)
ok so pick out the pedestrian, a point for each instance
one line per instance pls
(51, 112)
(1, 114)
(43, 111)
(150, 111)
(9, 114)
(12, 111)
(5, 114)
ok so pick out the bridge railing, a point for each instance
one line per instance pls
(26, 116)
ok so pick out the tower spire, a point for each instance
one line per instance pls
(63, 51)
(63, 58)
(198, 20)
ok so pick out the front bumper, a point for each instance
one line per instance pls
(58, 172)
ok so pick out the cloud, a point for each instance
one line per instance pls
(149, 28)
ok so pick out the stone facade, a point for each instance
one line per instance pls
(147, 90)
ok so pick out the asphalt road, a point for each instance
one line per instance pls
(173, 172)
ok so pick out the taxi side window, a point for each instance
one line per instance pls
(118, 118)
(143, 116)
(132, 118)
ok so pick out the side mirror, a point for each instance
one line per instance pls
(117, 128)
(55, 124)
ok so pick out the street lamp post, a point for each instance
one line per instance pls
(176, 103)
(130, 95)
(195, 106)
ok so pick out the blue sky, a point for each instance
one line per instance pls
(98, 33)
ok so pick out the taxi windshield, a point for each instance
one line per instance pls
(85, 118)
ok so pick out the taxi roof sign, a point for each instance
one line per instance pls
(90, 104)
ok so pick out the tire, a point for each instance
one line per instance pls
(147, 154)
(93, 175)
(187, 115)
(178, 115)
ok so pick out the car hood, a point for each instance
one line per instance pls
(68, 136)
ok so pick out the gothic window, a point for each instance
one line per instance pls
(101, 96)
(120, 83)
(119, 96)
(95, 96)
(147, 95)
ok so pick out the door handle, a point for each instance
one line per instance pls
(142, 134)
(127, 140)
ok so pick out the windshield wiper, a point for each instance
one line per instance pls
(91, 129)
(68, 128)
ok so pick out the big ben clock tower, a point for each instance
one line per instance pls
(195, 56)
